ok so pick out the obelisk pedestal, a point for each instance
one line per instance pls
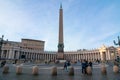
(60, 56)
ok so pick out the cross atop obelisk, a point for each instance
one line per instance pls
(60, 42)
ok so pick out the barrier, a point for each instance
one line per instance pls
(89, 70)
(18, 70)
(115, 69)
(103, 69)
(71, 72)
(5, 69)
(35, 70)
(54, 71)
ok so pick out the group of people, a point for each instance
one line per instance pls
(85, 64)
(66, 64)
(3, 63)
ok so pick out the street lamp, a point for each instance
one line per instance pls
(1, 43)
(118, 42)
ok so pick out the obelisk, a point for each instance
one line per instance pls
(60, 55)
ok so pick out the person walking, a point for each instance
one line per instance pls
(83, 66)
(90, 64)
(65, 66)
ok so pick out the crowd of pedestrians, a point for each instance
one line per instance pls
(85, 64)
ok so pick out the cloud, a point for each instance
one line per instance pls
(93, 30)
(84, 25)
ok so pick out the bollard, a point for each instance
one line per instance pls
(35, 70)
(71, 72)
(103, 69)
(18, 70)
(5, 69)
(54, 71)
(89, 70)
(115, 69)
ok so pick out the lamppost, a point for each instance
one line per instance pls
(1, 43)
(117, 43)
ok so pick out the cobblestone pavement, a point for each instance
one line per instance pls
(45, 73)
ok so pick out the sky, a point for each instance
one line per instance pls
(88, 24)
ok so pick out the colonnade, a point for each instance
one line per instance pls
(32, 55)
(87, 56)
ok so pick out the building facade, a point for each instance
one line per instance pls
(34, 50)
(24, 49)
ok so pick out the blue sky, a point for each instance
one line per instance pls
(87, 23)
